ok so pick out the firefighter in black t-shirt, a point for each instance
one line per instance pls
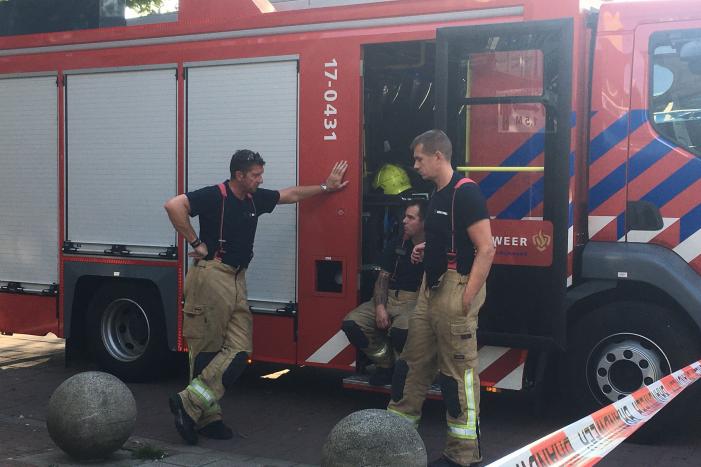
(442, 336)
(217, 322)
(378, 327)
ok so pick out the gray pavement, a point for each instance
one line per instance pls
(33, 447)
(25, 441)
(281, 422)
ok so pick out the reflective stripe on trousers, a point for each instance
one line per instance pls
(468, 430)
(411, 418)
(205, 395)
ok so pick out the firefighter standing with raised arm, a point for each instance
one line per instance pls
(217, 323)
(457, 258)
(379, 327)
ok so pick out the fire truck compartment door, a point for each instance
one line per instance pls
(28, 181)
(120, 157)
(503, 95)
(250, 106)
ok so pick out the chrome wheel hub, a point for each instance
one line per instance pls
(622, 363)
(125, 330)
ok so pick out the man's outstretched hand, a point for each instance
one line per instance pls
(335, 181)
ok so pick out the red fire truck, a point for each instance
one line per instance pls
(580, 127)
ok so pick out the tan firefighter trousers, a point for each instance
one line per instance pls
(216, 320)
(400, 304)
(442, 338)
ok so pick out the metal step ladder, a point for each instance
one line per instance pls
(360, 382)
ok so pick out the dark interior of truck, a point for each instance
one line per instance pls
(398, 103)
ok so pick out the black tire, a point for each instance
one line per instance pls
(617, 348)
(126, 331)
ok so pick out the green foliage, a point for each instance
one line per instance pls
(144, 6)
(148, 452)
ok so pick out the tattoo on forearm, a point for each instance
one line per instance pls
(381, 288)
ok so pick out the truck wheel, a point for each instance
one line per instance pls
(620, 347)
(126, 331)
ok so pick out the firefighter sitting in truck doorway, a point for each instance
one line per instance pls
(378, 327)
(217, 322)
(457, 257)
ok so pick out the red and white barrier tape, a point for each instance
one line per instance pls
(586, 441)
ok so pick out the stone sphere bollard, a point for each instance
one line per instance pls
(374, 437)
(91, 415)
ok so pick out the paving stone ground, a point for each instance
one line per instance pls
(278, 423)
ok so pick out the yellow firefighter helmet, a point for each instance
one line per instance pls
(392, 179)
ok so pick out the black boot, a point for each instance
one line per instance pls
(381, 377)
(216, 430)
(183, 422)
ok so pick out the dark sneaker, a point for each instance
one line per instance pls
(216, 430)
(445, 462)
(183, 423)
(381, 377)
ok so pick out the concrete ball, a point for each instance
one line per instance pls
(91, 415)
(374, 437)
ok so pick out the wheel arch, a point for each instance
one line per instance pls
(614, 272)
(596, 294)
(82, 280)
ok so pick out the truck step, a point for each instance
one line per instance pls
(360, 383)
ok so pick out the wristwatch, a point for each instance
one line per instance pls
(195, 243)
(324, 187)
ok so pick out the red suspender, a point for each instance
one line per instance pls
(220, 251)
(452, 253)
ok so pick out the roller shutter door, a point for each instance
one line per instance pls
(28, 181)
(121, 157)
(251, 105)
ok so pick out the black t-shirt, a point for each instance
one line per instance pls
(240, 220)
(396, 260)
(470, 207)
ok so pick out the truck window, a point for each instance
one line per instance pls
(500, 134)
(675, 87)
(41, 16)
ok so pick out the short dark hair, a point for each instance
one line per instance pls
(419, 203)
(432, 141)
(243, 160)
